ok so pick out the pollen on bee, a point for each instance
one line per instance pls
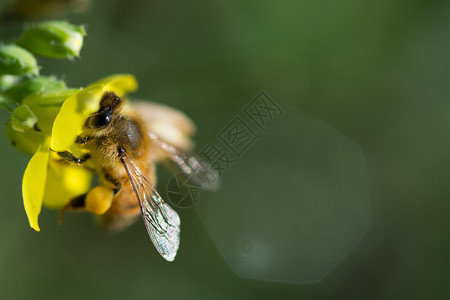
(99, 199)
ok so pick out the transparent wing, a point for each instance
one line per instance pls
(161, 221)
(196, 169)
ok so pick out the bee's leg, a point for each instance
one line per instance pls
(97, 201)
(113, 181)
(82, 140)
(76, 204)
(66, 155)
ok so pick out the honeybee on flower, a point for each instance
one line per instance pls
(74, 135)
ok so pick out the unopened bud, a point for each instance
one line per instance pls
(15, 60)
(34, 84)
(26, 141)
(57, 39)
(23, 118)
(8, 81)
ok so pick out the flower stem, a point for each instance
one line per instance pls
(6, 104)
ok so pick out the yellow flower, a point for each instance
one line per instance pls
(77, 108)
(50, 122)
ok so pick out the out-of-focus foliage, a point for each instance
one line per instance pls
(20, 10)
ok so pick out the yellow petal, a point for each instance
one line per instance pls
(72, 116)
(46, 106)
(33, 184)
(65, 183)
(77, 108)
(118, 83)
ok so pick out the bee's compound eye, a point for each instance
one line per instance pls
(100, 119)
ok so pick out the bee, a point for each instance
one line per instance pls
(123, 151)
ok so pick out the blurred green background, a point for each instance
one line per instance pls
(344, 197)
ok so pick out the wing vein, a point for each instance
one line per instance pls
(161, 221)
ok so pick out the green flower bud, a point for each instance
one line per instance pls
(27, 141)
(49, 99)
(15, 60)
(45, 106)
(32, 121)
(57, 39)
(23, 118)
(34, 84)
(8, 81)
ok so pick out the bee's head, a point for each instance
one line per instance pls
(109, 103)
